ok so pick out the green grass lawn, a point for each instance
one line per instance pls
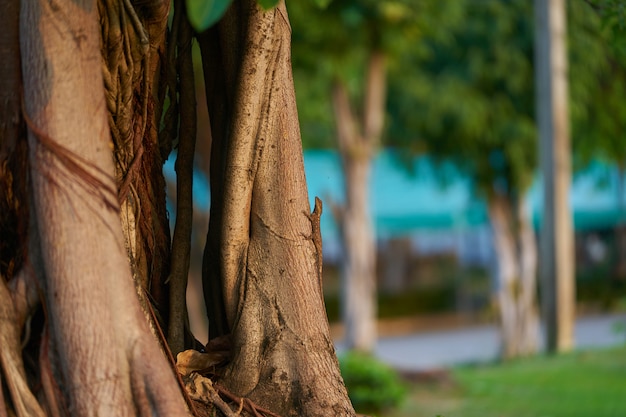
(579, 384)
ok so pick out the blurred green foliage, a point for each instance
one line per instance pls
(334, 42)
(474, 102)
(599, 133)
(429, 300)
(461, 77)
(373, 387)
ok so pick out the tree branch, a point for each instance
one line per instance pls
(347, 130)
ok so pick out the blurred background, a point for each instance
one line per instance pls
(424, 124)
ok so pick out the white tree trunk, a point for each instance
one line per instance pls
(358, 140)
(359, 283)
(528, 314)
(516, 255)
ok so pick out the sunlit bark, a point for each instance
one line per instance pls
(262, 247)
(100, 336)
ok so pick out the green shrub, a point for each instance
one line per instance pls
(373, 387)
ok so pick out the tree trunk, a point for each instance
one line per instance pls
(263, 248)
(357, 144)
(516, 254)
(99, 337)
(557, 236)
(359, 266)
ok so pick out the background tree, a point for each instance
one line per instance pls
(83, 212)
(355, 41)
(473, 103)
(598, 133)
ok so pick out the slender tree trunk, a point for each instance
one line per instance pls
(515, 247)
(557, 236)
(529, 316)
(264, 247)
(359, 267)
(357, 144)
(99, 336)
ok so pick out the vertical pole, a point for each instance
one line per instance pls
(557, 244)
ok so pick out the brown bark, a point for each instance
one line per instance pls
(17, 296)
(13, 148)
(106, 362)
(357, 144)
(133, 44)
(181, 245)
(516, 253)
(283, 357)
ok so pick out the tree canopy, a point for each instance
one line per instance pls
(333, 43)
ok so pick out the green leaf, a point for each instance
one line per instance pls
(268, 4)
(204, 13)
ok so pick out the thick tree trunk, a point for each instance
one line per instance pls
(357, 144)
(106, 361)
(263, 243)
(516, 253)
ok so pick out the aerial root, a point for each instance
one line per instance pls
(203, 390)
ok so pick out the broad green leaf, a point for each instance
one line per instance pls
(268, 4)
(204, 13)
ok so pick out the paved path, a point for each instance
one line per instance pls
(430, 350)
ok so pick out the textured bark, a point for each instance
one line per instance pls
(283, 357)
(105, 360)
(357, 144)
(133, 46)
(516, 253)
(16, 296)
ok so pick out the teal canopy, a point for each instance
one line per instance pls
(417, 196)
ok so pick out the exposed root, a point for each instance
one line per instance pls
(54, 398)
(201, 389)
(25, 295)
(248, 405)
(205, 391)
(11, 366)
